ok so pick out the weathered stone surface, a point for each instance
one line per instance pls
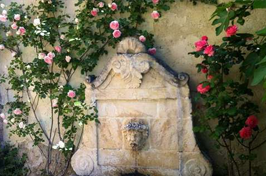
(116, 158)
(159, 159)
(127, 108)
(168, 108)
(89, 140)
(110, 134)
(163, 134)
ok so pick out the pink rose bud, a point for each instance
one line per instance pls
(58, 49)
(116, 34)
(48, 60)
(209, 77)
(54, 103)
(41, 55)
(62, 37)
(4, 12)
(231, 30)
(5, 121)
(13, 54)
(245, 132)
(2, 47)
(152, 51)
(94, 12)
(142, 38)
(113, 6)
(17, 17)
(14, 26)
(204, 70)
(200, 45)
(21, 31)
(114, 25)
(204, 38)
(209, 50)
(252, 121)
(68, 58)
(17, 111)
(21, 125)
(3, 18)
(155, 15)
(2, 115)
(101, 4)
(155, 1)
(51, 54)
(71, 94)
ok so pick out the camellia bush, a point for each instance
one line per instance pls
(227, 111)
(62, 46)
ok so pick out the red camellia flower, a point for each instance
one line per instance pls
(204, 38)
(252, 121)
(200, 45)
(231, 30)
(209, 50)
(245, 132)
(203, 90)
(204, 70)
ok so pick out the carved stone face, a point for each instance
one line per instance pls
(136, 135)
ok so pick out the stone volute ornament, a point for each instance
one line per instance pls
(143, 106)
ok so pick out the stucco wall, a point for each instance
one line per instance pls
(175, 35)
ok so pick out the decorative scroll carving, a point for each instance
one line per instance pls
(136, 134)
(82, 163)
(130, 45)
(195, 168)
(130, 69)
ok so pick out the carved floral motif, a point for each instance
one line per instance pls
(82, 163)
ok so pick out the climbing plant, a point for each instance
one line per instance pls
(228, 113)
(61, 46)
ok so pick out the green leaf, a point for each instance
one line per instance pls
(262, 61)
(259, 75)
(259, 4)
(261, 32)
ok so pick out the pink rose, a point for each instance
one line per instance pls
(51, 54)
(62, 37)
(14, 26)
(252, 121)
(41, 55)
(113, 6)
(3, 18)
(68, 58)
(58, 49)
(48, 60)
(155, 15)
(200, 45)
(5, 121)
(155, 1)
(4, 12)
(114, 25)
(71, 94)
(245, 132)
(101, 4)
(209, 50)
(204, 38)
(2, 47)
(152, 51)
(94, 12)
(142, 38)
(21, 31)
(54, 103)
(116, 34)
(8, 33)
(2, 115)
(17, 17)
(17, 111)
(231, 30)
(203, 90)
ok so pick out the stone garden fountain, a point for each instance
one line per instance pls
(145, 120)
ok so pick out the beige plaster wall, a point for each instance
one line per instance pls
(175, 35)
